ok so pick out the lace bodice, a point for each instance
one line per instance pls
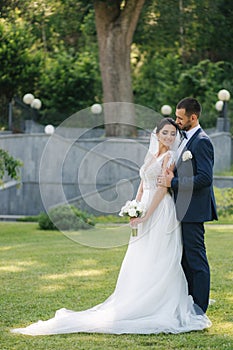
(152, 168)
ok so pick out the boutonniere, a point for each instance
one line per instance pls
(186, 156)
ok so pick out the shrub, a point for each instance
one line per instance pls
(45, 223)
(33, 218)
(224, 199)
(65, 217)
(9, 165)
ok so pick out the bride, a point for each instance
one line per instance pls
(151, 294)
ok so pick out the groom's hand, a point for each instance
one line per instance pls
(165, 180)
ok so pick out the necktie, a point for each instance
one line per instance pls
(183, 137)
(182, 144)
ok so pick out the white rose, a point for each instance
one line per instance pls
(124, 209)
(186, 156)
(132, 212)
(127, 205)
(133, 203)
(140, 206)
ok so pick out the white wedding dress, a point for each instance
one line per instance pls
(151, 294)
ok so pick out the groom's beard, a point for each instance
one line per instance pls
(187, 126)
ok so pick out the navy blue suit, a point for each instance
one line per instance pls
(195, 203)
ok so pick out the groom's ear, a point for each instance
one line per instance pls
(194, 117)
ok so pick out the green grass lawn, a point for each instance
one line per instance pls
(42, 271)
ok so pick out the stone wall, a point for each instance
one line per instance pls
(96, 174)
(222, 142)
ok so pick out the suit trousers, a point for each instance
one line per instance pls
(195, 263)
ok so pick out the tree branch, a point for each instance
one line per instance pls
(110, 12)
(107, 11)
(130, 15)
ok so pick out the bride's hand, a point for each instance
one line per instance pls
(135, 221)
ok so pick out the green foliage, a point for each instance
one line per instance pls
(20, 62)
(156, 80)
(224, 200)
(49, 48)
(45, 223)
(196, 30)
(65, 217)
(103, 219)
(157, 30)
(9, 165)
(68, 84)
(20, 59)
(203, 81)
(171, 81)
(34, 218)
(43, 54)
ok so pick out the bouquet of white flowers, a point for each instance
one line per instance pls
(133, 209)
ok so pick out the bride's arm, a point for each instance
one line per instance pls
(139, 192)
(158, 196)
(160, 192)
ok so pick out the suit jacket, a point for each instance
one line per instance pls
(193, 181)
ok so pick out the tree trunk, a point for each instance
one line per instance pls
(116, 22)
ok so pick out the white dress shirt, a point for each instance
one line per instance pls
(189, 134)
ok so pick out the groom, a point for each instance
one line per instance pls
(191, 183)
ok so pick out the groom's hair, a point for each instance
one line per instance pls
(191, 106)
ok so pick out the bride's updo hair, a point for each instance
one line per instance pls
(154, 143)
(166, 121)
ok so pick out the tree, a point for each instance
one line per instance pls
(49, 47)
(68, 83)
(115, 23)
